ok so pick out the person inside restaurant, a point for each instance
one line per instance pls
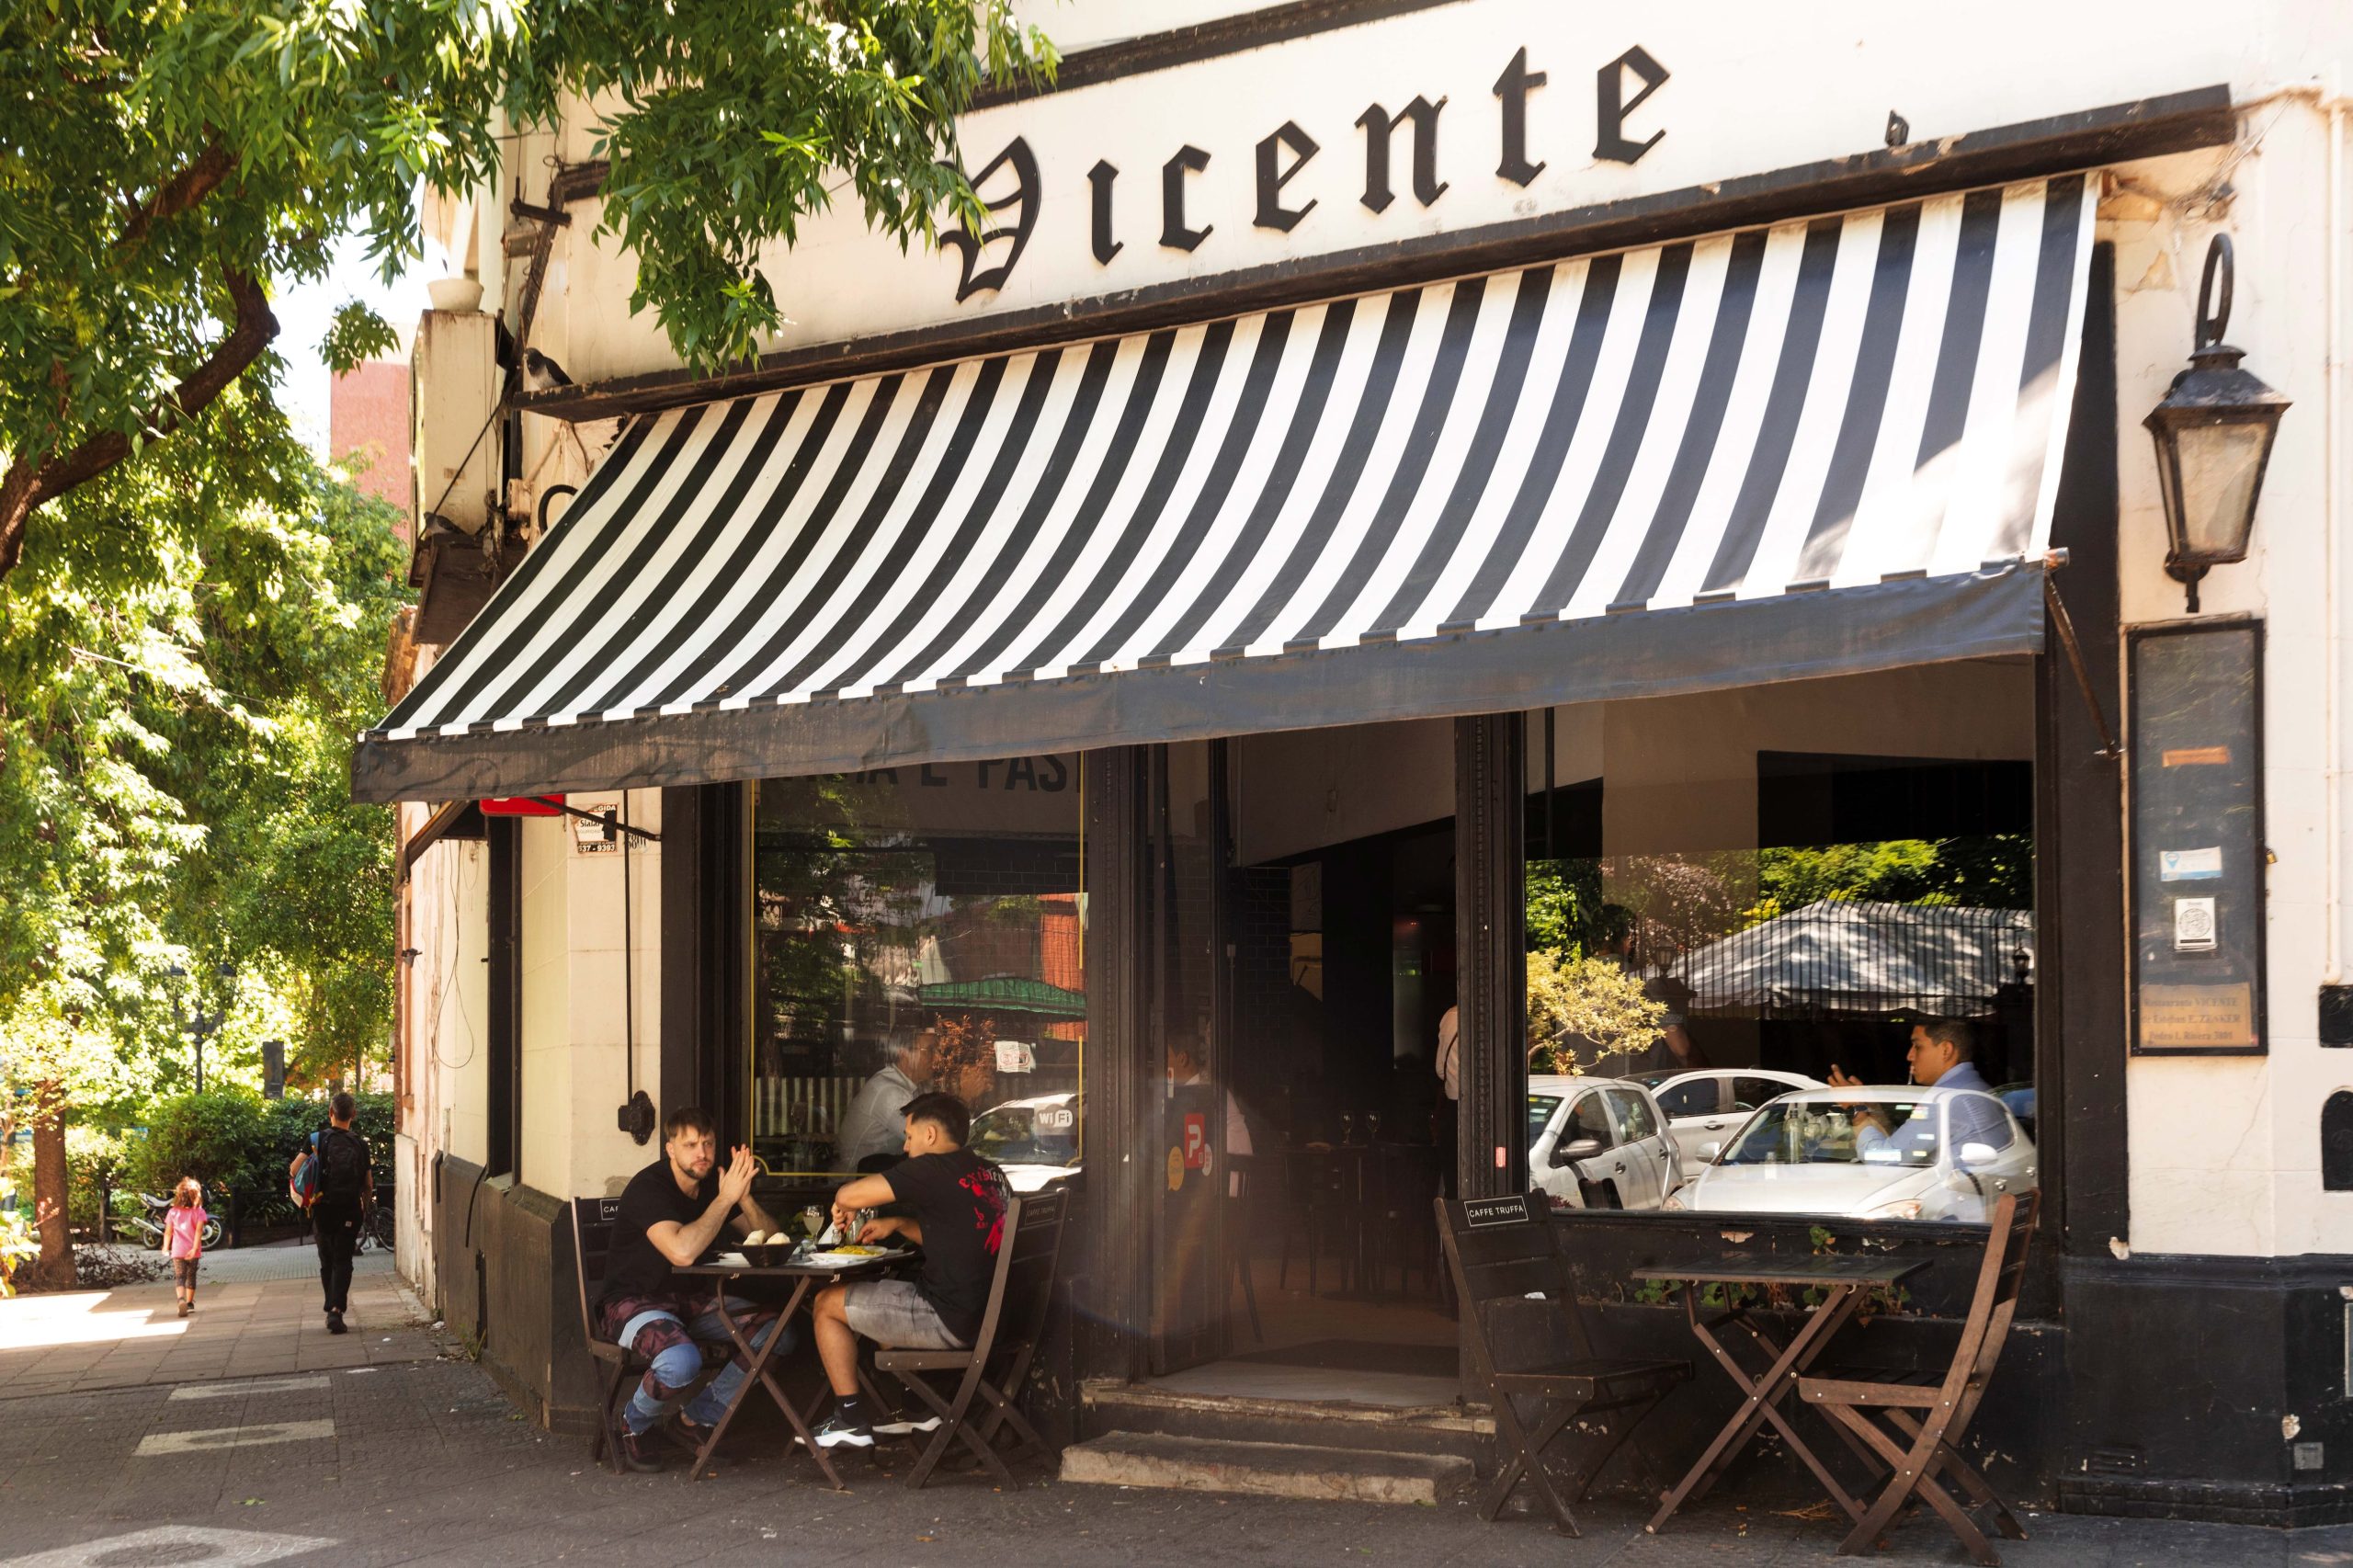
(671, 1213)
(953, 1205)
(873, 1131)
(1942, 1057)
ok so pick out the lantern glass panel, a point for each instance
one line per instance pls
(2220, 467)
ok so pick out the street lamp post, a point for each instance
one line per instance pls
(204, 1025)
(2214, 433)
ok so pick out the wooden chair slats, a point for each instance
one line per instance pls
(1921, 1451)
(617, 1370)
(982, 1404)
(1549, 1387)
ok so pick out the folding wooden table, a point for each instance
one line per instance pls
(1843, 1279)
(805, 1277)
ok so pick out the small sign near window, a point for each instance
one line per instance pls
(1480, 1212)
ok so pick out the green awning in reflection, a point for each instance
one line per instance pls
(1006, 994)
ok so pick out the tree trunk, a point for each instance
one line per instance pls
(54, 1270)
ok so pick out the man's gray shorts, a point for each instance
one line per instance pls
(894, 1314)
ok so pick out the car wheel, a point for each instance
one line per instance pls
(1609, 1198)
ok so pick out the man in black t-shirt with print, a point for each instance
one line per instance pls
(672, 1214)
(956, 1202)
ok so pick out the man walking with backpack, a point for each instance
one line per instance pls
(340, 1188)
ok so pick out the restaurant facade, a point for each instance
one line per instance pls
(1406, 498)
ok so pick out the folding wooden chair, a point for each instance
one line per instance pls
(617, 1370)
(1500, 1252)
(1915, 1421)
(995, 1368)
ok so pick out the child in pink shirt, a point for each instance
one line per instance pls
(183, 1239)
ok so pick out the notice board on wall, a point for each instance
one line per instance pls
(2196, 841)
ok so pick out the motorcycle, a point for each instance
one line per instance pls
(149, 1223)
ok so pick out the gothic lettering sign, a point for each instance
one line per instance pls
(1399, 152)
(1208, 163)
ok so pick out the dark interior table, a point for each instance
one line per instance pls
(805, 1278)
(1842, 1278)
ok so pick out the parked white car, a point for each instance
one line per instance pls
(1601, 1138)
(1950, 1155)
(1708, 1107)
(1034, 1141)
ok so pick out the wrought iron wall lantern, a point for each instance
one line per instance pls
(2214, 433)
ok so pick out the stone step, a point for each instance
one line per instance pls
(1466, 1432)
(1160, 1460)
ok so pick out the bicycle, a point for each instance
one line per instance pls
(376, 1226)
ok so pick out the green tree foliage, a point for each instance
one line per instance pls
(180, 665)
(209, 1136)
(166, 165)
(1585, 1008)
(1996, 872)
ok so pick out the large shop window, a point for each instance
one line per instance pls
(918, 928)
(1781, 949)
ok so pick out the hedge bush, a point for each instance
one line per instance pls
(236, 1143)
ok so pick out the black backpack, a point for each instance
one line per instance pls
(343, 1166)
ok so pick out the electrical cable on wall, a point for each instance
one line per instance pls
(636, 1117)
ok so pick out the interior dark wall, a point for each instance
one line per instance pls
(1358, 909)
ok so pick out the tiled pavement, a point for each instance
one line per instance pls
(84, 1340)
(421, 1461)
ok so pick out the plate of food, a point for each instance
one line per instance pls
(850, 1253)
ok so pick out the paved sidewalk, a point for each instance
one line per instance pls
(258, 1315)
(423, 1463)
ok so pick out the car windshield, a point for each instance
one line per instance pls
(1868, 1130)
(1017, 1134)
(1540, 1114)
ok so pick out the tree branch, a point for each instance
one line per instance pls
(180, 193)
(30, 481)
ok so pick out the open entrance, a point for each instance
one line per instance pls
(1304, 928)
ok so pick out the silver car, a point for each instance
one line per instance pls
(1927, 1154)
(1707, 1106)
(1598, 1144)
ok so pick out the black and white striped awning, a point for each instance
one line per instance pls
(1827, 446)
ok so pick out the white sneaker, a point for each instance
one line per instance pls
(837, 1433)
(904, 1427)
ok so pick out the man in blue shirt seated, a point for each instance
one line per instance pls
(1941, 1057)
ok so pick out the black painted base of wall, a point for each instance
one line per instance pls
(509, 1290)
(2209, 1388)
(2275, 1507)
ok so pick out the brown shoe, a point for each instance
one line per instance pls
(637, 1454)
(184, 1308)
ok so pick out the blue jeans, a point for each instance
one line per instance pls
(679, 1362)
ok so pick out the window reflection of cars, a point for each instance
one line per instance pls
(1035, 1140)
(1708, 1107)
(1932, 1155)
(1598, 1144)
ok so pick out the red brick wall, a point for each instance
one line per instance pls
(367, 414)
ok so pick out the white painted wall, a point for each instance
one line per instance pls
(2225, 1151)
(445, 1042)
(577, 975)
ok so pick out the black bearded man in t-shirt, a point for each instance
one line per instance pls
(957, 1201)
(671, 1214)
